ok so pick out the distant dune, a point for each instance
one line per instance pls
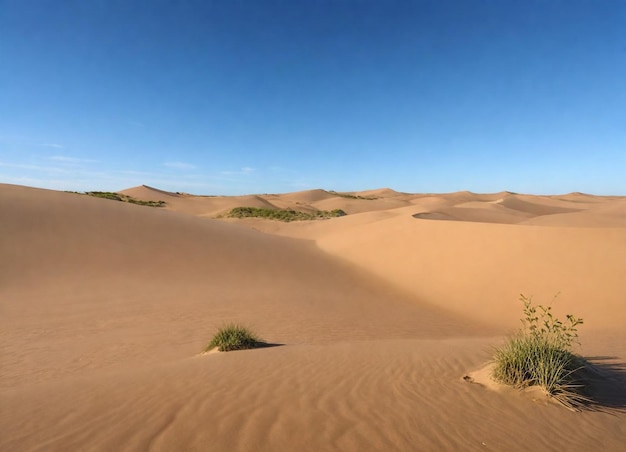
(379, 314)
(502, 207)
(150, 193)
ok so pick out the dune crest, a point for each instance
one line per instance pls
(570, 210)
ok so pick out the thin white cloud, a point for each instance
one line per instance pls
(62, 172)
(246, 170)
(31, 167)
(52, 145)
(180, 165)
(65, 159)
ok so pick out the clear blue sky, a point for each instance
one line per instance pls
(267, 96)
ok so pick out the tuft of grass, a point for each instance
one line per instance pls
(282, 215)
(541, 355)
(233, 337)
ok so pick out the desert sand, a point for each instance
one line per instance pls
(376, 316)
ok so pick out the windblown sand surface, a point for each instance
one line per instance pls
(377, 316)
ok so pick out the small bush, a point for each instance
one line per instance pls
(124, 198)
(351, 196)
(105, 195)
(541, 355)
(233, 337)
(286, 215)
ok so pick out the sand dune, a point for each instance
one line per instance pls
(538, 205)
(210, 206)
(352, 206)
(502, 207)
(106, 306)
(151, 194)
(384, 192)
(477, 212)
(603, 215)
(479, 269)
(306, 196)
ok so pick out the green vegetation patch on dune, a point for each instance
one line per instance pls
(541, 355)
(351, 196)
(124, 198)
(233, 337)
(282, 214)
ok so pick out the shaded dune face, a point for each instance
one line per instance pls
(106, 270)
(106, 306)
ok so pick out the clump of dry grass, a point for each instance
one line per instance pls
(541, 355)
(233, 337)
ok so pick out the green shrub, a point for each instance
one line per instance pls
(233, 337)
(124, 198)
(351, 196)
(286, 215)
(541, 355)
(105, 195)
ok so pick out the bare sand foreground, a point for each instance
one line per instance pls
(106, 306)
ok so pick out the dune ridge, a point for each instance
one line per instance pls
(570, 210)
(106, 307)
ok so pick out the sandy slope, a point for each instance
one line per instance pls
(105, 307)
(478, 261)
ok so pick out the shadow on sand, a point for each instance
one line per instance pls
(605, 378)
(266, 345)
